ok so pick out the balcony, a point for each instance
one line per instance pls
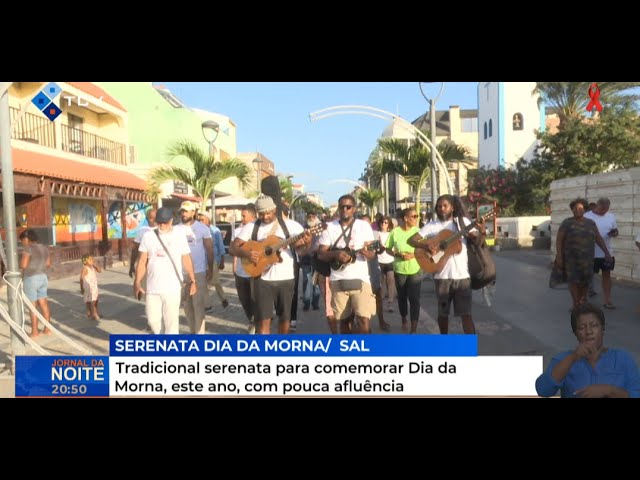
(38, 129)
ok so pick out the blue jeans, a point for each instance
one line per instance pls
(309, 289)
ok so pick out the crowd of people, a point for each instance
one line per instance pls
(353, 268)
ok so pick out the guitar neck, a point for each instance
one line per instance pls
(288, 241)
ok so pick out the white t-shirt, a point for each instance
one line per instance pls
(457, 267)
(360, 233)
(605, 224)
(383, 258)
(277, 271)
(196, 233)
(240, 271)
(141, 232)
(161, 276)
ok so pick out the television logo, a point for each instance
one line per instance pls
(44, 100)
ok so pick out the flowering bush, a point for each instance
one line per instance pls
(492, 185)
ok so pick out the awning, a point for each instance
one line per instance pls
(36, 163)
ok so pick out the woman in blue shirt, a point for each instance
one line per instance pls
(591, 370)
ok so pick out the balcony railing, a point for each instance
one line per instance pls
(32, 128)
(38, 129)
(83, 143)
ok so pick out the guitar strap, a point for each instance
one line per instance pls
(283, 225)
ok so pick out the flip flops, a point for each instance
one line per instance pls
(609, 306)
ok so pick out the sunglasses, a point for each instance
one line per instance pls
(414, 216)
(345, 207)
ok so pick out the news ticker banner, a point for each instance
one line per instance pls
(280, 365)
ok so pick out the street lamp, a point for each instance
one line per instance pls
(432, 115)
(210, 131)
(257, 163)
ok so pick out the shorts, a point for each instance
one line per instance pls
(35, 286)
(602, 264)
(277, 293)
(361, 302)
(386, 268)
(456, 291)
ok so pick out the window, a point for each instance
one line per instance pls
(490, 128)
(469, 125)
(485, 130)
(518, 121)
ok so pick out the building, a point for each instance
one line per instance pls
(72, 168)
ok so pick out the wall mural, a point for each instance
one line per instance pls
(76, 220)
(136, 217)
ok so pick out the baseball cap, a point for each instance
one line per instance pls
(264, 203)
(205, 214)
(188, 206)
(164, 215)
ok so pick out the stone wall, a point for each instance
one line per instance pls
(622, 187)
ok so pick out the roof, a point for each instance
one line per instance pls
(35, 163)
(443, 121)
(97, 92)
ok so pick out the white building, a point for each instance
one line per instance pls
(508, 118)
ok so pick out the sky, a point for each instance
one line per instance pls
(273, 118)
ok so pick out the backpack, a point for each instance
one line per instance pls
(482, 268)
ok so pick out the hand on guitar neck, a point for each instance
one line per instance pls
(346, 256)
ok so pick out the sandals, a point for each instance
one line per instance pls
(385, 327)
(609, 306)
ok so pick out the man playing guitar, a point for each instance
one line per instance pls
(452, 283)
(350, 286)
(275, 285)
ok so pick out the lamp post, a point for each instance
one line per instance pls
(432, 115)
(214, 127)
(257, 163)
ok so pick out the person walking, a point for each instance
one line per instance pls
(608, 229)
(218, 264)
(151, 224)
(34, 261)
(89, 285)
(243, 281)
(164, 256)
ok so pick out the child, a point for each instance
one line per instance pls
(89, 285)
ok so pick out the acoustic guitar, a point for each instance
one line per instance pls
(269, 250)
(337, 266)
(446, 243)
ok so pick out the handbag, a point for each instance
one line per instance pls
(175, 269)
(558, 276)
(347, 285)
(482, 267)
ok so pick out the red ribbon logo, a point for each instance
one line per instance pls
(594, 95)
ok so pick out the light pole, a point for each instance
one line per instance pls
(211, 126)
(8, 200)
(432, 115)
(257, 163)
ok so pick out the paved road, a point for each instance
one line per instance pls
(525, 318)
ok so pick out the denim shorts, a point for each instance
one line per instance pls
(35, 286)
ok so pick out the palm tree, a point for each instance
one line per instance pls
(570, 99)
(205, 174)
(286, 189)
(410, 160)
(370, 198)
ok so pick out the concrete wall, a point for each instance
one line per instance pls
(622, 187)
(524, 231)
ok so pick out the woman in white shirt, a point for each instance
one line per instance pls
(386, 262)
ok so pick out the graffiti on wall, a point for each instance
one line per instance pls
(135, 217)
(76, 220)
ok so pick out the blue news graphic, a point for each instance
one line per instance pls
(62, 376)
(294, 346)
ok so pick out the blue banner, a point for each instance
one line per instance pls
(62, 376)
(294, 345)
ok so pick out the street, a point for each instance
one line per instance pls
(526, 316)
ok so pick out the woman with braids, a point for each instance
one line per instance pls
(452, 283)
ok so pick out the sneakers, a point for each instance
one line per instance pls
(251, 329)
(225, 303)
(293, 324)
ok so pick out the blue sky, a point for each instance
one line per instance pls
(273, 118)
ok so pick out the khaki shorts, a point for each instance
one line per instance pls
(361, 302)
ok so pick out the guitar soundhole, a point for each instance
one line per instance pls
(443, 246)
(268, 251)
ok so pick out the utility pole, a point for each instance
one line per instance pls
(9, 209)
(434, 172)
